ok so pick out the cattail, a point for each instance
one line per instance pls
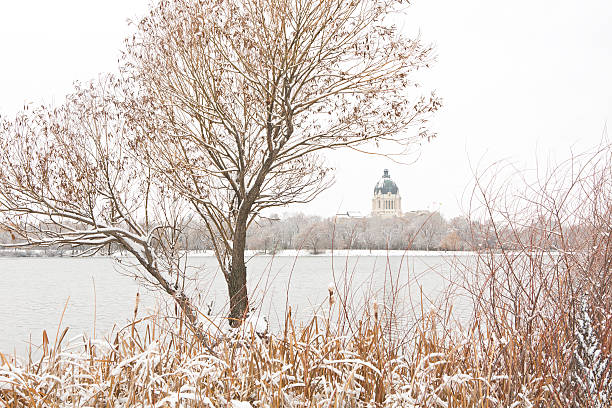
(330, 288)
(136, 305)
(375, 309)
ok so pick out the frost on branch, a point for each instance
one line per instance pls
(591, 369)
(76, 177)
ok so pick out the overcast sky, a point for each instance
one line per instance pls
(520, 80)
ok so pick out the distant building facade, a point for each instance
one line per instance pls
(386, 201)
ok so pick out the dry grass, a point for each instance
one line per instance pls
(156, 363)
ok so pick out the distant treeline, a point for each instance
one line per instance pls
(419, 230)
(23, 253)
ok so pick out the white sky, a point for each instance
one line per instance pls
(520, 80)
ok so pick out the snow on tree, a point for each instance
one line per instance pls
(591, 369)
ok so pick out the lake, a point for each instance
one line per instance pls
(99, 293)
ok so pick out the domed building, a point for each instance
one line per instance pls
(386, 201)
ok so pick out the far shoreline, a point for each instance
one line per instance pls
(40, 253)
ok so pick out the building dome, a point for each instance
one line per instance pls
(386, 201)
(386, 185)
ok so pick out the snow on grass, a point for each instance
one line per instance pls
(158, 364)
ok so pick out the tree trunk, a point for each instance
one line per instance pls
(236, 280)
(237, 277)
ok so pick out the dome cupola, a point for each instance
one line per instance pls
(386, 185)
(386, 201)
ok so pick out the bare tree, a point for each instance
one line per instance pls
(316, 236)
(69, 178)
(461, 227)
(251, 91)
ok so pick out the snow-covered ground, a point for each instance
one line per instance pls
(341, 253)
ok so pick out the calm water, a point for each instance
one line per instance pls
(34, 291)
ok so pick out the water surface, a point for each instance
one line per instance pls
(98, 293)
